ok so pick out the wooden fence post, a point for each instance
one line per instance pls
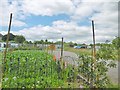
(62, 49)
(5, 52)
(93, 51)
(8, 35)
(61, 58)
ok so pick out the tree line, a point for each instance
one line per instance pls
(14, 38)
(22, 39)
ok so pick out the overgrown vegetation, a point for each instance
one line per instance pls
(34, 69)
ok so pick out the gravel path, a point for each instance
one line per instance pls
(68, 57)
(113, 73)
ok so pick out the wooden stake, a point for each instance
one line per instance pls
(61, 58)
(8, 35)
(62, 49)
(5, 52)
(94, 50)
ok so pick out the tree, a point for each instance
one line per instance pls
(19, 39)
(38, 42)
(116, 42)
(11, 37)
(42, 41)
(58, 42)
(107, 41)
(75, 44)
(71, 44)
(30, 42)
(26, 42)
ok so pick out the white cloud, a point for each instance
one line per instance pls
(100, 1)
(47, 7)
(107, 16)
(69, 30)
(104, 13)
(85, 9)
(6, 8)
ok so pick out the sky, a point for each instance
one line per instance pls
(54, 19)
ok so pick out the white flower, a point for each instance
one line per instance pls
(38, 81)
(14, 78)
(6, 79)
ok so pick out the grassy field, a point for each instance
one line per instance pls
(78, 51)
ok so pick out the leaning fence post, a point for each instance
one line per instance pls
(94, 52)
(5, 52)
(7, 38)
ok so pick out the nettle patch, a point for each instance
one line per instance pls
(33, 69)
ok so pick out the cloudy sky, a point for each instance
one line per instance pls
(53, 19)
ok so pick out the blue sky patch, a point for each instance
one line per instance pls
(45, 20)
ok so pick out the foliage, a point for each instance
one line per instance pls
(27, 42)
(71, 44)
(33, 69)
(43, 42)
(11, 37)
(107, 52)
(116, 42)
(95, 73)
(95, 69)
(19, 39)
(38, 42)
(26, 48)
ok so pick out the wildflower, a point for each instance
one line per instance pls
(6, 79)
(14, 78)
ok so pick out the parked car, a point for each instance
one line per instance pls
(77, 47)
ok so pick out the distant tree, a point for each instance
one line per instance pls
(71, 44)
(107, 41)
(75, 44)
(30, 42)
(38, 42)
(35, 42)
(26, 42)
(91, 45)
(97, 44)
(11, 37)
(46, 41)
(58, 42)
(42, 41)
(19, 39)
